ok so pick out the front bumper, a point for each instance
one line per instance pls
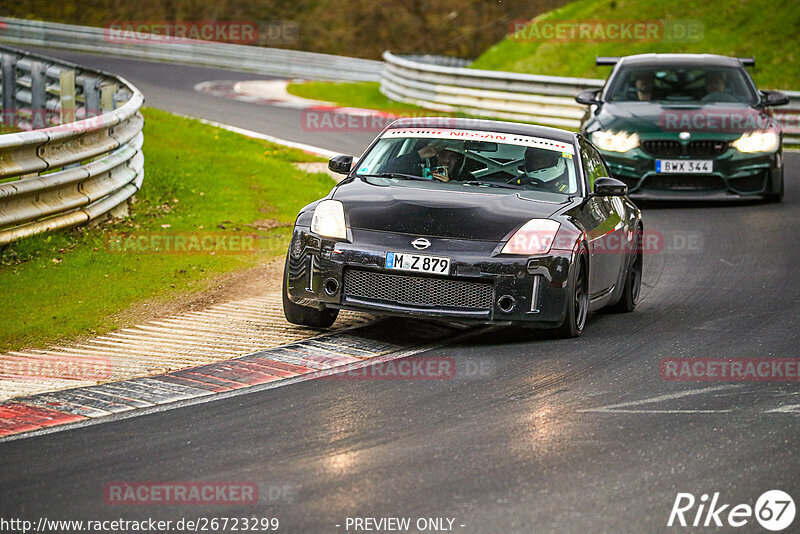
(736, 176)
(324, 272)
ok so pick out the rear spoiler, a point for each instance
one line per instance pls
(606, 61)
(610, 61)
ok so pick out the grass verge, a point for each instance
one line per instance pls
(199, 180)
(366, 95)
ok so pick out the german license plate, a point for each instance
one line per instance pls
(684, 166)
(404, 261)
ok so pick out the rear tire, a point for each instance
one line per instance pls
(633, 281)
(578, 305)
(305, 315)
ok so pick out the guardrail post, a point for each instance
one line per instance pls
(38, 95)
(107, 94)
(91, 96)
(10, 114)
(67, 98)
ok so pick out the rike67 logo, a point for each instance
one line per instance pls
(774, 510)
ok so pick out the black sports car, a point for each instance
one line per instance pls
(687, 126)
(479, 220)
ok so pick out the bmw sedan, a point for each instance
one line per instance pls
(687, 126)
(477, 221)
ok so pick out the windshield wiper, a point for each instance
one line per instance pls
(395, 175)
(494, 184)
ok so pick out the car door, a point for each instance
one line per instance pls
(607, 234)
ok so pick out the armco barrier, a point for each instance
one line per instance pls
(546, 100)
(79, 152)
(273, 61)
(442, 84)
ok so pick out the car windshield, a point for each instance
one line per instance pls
(471, 160)
(704, 85)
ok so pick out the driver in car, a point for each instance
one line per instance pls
(644, 84)
(448, 163)
(545, 169)
(714, 86)
(438, 160)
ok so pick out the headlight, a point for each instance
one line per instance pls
(535, 237)
(760, 141)
(328, 219)
(615, 141)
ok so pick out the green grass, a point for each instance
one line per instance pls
(198, 178)
(766, 29)
(366, 95)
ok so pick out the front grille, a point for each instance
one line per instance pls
(662, 148)
(684, 182)
(417, 290)
(706, 148)
(697, 149)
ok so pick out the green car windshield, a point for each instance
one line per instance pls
(676, 84)
(471, 160)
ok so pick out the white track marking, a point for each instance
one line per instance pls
(615, 408)
(789, 408)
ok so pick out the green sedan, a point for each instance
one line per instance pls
(686, 126)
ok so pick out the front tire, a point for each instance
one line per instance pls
(578, 305)
(774, 198)
(304, 315)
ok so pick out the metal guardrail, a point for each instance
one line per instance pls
(505, 95)
(789, 116)
(273, 61)
(82, 156)
(548, 100)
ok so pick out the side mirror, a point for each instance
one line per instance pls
(773, 98)
(589, 97)
(341, 164)
(609, 187)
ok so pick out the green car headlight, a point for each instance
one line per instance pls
(615, 141)
(758, 141)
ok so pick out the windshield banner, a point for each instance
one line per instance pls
(482, 135)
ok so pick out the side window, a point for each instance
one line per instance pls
(593, 165)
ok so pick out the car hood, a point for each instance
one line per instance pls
(726, 120)
(409, 209)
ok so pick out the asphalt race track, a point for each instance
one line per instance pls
(549, 435)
